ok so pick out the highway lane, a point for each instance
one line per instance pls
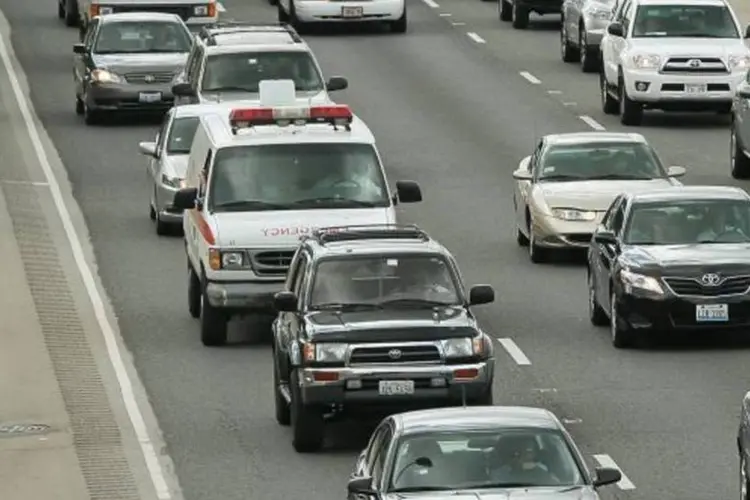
(456, 117)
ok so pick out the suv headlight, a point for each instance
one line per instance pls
(326, 352)
(572, 214)
(739, 63)
(466, 347)
(631, 280)
(645, 61)
(104, 76)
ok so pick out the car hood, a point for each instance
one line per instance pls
(595, 195)
(307, 98)
(690, 47)
(686, 260)
(175, 165)
(583, 493)
(391, 325)
(158, 63)
(283, 228)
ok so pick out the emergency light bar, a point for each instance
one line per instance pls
(334, 114)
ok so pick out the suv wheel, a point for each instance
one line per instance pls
(282, 15)
(740, 162)
(71, 13)
(568, 53)
(610, 106)
(589, 59)
(486, 399)
(307, 422)
(597, 316)
(622, 336)
(631, 113)
(283, 413)
(505, 10)
(744, 483)
(214, 324)
(400, 24)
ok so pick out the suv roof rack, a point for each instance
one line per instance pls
(331, 234)
(208, 33)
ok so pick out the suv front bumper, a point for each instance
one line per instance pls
(673, 90)
(360, 385)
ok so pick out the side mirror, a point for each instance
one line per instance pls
(183, 90)
(481, 294)
(185, 199)
(148, 149)
(408, 192)
(616, 29)
(337, 83)
(285, 302)
(79, 48)
(360, 486)
(744, 90)
(676, 171)
(605, 238)
(747, 31)
(522, 175)
(605, 476)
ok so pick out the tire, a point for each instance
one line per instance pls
(568, 53)
(520, 16)
(588, 56)
(537, 254)
(400, 24)
(597, 316)
(60, 10)
(214, 324)
(521, 238)
(294, 20)
(71, 14)
(622, 335)
(194, 293)
(79, 106)
(631, 113)
(90, 117)
(162, 228)
(744, 483)
(283, 412)
(740, 163)
(151, 212)
(308, 427)
(505, 11)
(281, 14)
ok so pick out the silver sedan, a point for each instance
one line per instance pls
(581, 31)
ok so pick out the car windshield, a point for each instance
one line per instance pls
(181, 135)
(245, 71)
(600, 160)
(690, 21)
(384, 281)
(139, 37)
(689, 222)
(295, 176)
(498, 458)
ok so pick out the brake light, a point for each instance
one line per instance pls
(212, 9)
(335, 114)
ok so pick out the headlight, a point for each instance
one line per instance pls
(571, 214)
(326, 352)
(645, 61)
(104, 76)
(633, 280)
(232, 260)
(173, 182)
(739, 63)
(200, 11)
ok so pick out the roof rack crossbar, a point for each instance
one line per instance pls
(331, 234)
(232, 27)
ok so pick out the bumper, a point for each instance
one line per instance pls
(164, 198)
(679, 313)
(550, 232)
(542, 6)
(376, 10)
(126, 97)
(679, 92)
(243, 295)
(359, 386)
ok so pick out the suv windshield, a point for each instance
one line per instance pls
(689, 21)
(297, 177)
(689, 222)
(181, 136)
(384, 281)
(139, 37)
(245, 71)
(600, 160)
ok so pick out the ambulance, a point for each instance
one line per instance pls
(259, 178)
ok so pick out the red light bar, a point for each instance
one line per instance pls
(336, 114)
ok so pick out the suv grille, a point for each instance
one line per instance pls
(733, 285)
(146, 77)
(694, 65)
(395, 354)
(185, 12)
(272, 263)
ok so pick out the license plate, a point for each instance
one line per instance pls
(698, 88)
(351, 12)
(396, 387)
(712, 313)
(149, 96)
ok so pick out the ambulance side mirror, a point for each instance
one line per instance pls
(407, 192)
(185, 199)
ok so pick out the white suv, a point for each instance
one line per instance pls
(673, 55)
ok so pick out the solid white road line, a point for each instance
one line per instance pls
(457, 24)
(431, 4)
(445, 14)
(607, 461)
(25, 183)
(97, 301)
(592, 123)
(220, 7)
(514, 352)
(530, 78)
(475, 37)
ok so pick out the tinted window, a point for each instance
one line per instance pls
(600, 160)
(689, 222)
(298, 176)
(142, 36)
(384, 280)
(705, 21)
(245, 71)
(499, 458)
(182, 134)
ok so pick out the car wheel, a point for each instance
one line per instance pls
(740, 163)
(631, 113)
(597, 316)
(610, 106)
(71, 13)
(308, 426)
(589, 61)
(521, 238)
(400, 24)
(281, 14)
(79, 106)
(214, 323)
(537, 254)
(283, 412)
(744, 486)
(162, 228)
(506, 11)
(568, 53)
(90, 116)
(520, 16)
(294, 20)
(60, 10)
(622, 335)
(195, 296)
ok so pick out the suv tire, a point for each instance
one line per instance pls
(622, 335)
(283, 411)
(308, 426)
(520, 16)
(631, 113)
(505, 11)
(740, 161)
(610, 106)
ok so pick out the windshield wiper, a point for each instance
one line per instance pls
(420, 303)
(230, 89)
(409, 489)
(699, 35)
(505, 485)
(561, 177)
(630, 177)
(345, 306)
(248, 204)
(333, 199)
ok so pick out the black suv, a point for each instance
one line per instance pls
(374, 319)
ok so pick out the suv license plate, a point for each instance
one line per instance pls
(396, 387)
(699, 88)
(712, 313)
(149, 96)
(351, 12)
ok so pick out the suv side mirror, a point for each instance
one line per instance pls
(605, 238)
(285, 302)
(337, 83)
(360, 486)
(408, 192)
(183, 89)
(481, 294)
(148, 149)
(616, 29)
(79, 48)
(606, 475)
(185, 199)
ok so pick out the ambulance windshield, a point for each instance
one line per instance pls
(297, 177)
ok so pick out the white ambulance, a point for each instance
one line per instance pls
(258, 179)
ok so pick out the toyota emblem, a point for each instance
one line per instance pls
(694, 63)
(149, 78)
(394, 353)
(710, 279)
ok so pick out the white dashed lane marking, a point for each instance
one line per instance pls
(475, 37)
(592, 123)
(431, 4)
(607, 461)
(530, 78)
(445, 14)
(514, 352)
(458, 24)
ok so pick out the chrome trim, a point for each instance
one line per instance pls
(268, 268)
(395, 345)
(404, 372)
(694, 66)
(698, 281)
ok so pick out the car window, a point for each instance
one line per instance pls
(245, 71)
(607, 219)
(142, 37)
(300, 278)
(163, 131)
(378, 465)
(88, 39)
(618, 218)
(678, 21)
(600, 160)
(181, 135)
(374, 445)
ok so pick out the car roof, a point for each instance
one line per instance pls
(476, 418)
(375, 247)
(681, 3)
(239, 37)
(687, 193)
(139, 17)
(593, 137)
(254, 48)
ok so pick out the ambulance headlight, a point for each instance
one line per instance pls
(232, 260)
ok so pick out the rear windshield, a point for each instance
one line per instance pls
(243, 72)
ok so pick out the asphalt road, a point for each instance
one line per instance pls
(455, 114)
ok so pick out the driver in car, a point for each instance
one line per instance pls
(516, 461)
(721, 228)
(348, 181)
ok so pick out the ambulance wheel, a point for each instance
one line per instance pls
(214, 323)
(194, 293)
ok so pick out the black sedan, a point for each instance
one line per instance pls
(492, 452)
(671, 260)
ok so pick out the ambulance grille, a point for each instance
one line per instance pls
(272, 262)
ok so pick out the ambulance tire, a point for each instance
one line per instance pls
(214, 324)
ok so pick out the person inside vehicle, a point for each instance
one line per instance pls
(516, 460)
(344, 179)
(722, 227)
(423, 279)
(648, 25)
(648, 227)
(415, 476)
